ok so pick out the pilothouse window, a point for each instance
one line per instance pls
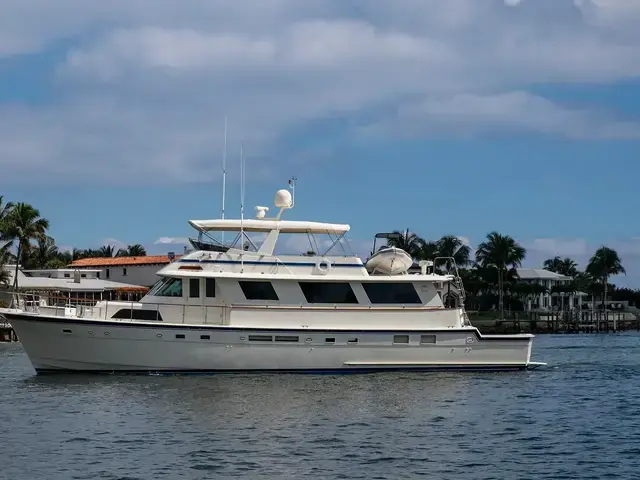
(194, 287)
(210, 287)
(171, 288)
(258, 290)
(329, 292)
(385, 292)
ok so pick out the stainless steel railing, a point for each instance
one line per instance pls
(171, 312)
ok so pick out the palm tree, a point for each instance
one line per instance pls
(409, 242)
(5, 277)
(504, 254)
(107, 251)
(426, 250)
(44, 252)
(136, 250)
(563, 266)
(5, 209)
(452, 247)
(22, 226)
(604, 263)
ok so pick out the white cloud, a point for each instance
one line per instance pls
(510, 112)
(172, 241)
(559, 246)
(147, 88)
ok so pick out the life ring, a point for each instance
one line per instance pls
(323, 265)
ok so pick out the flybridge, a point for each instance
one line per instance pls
(273, 227)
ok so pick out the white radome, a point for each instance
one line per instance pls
(283, 199)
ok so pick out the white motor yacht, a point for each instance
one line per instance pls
(240, 307)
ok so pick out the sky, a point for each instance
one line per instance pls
(459, 117)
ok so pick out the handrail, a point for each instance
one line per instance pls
(180, 313)
(278, 261)
(459, 284)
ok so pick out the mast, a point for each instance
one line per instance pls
(292, 186)
(241, 210)
(224, 171)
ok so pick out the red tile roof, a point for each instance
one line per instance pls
(121, 261)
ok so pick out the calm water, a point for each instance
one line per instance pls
(579, 418)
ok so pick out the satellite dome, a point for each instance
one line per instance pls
(283, 199)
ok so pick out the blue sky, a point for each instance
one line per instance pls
(457, 117)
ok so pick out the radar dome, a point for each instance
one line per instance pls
(283, 199)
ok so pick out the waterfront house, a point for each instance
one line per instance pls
(136, 270)
(550, 300)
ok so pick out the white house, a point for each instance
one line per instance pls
(137, 270)
(549, 280)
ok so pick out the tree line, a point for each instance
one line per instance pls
(24, 241)
(492, 277)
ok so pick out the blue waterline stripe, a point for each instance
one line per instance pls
(306, 371)
(270, 263)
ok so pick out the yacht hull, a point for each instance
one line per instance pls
(64, 345)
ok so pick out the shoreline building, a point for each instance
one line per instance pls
(550, 300)
(68, 286)
(140, 270)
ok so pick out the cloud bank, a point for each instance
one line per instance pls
(145, 89)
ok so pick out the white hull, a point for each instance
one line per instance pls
(63, 345)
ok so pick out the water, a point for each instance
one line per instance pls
(579, 418)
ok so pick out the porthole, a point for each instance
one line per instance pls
(107, 334)
(90, 333)
(243, 338)
(159, 335)
(308, 339)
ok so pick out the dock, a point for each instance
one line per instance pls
(557, 323)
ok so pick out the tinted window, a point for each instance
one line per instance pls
(157, 286)
(194, 287)
(427, 339)
(137, 314)
(335, 292)
(258, 290)
(210, 287)
(384, 292)
(287, 338)
(260, 338)
(172, 288)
